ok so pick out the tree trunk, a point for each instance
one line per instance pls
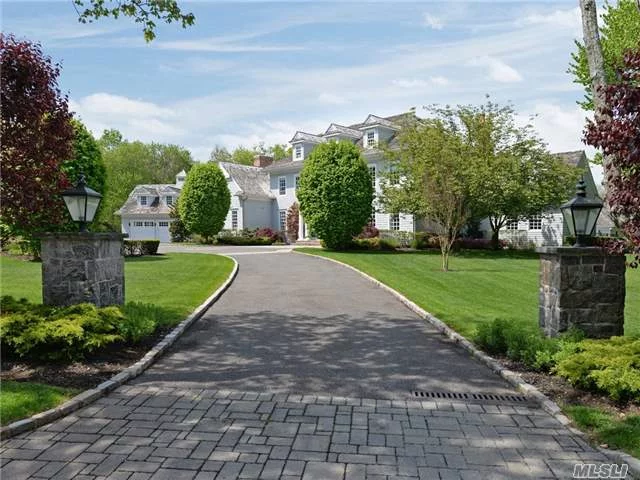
(595, 60)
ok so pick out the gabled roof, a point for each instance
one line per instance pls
(155, 206)
(372, 120)
(306, 137)
(252, 181)
(335, 129)
(573, 158)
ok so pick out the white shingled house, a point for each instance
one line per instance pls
(261, 194)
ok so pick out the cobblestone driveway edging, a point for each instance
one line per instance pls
(89, 396)
(513, 378)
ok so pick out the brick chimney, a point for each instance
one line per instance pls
(262, 161)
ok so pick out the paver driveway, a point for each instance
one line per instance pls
(302, 370)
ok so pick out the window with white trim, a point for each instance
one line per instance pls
(512, 224)
(535, 222)
(234, 219)
(372, 172)
(372, 219)
(282, 185)
(137, 224)
(298, 151)
(143, 200)
(163, 224)
(169, 200)
(282, 217)
(371, 138)
(297, 181)
(394, 221)
(394, 176)
(149, 224)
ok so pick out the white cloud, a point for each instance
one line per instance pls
(332, 99)
(432, 21)
(417, 83)
(560, 18)
(498, 70)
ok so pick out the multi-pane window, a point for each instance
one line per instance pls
(371, 138)
(282, 185)
(234, 219)
(512, 224)
(372, 172)
(394, 176)
(143, 200)
(137, 224)
(297, 181)
(149, 224)
(394, 221)
(163, 224)
(282, 217)
(298, 151)
(169, 200)
(535, 222)
(372, 220)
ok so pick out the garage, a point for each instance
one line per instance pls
(147, 229)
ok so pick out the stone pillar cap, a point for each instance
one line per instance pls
(571, 250)
(82, 235)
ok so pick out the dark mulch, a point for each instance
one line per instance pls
(563, 393)
(83, 375)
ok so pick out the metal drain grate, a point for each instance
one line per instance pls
(479, 397)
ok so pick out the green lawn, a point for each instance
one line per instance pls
(481, 286)
(177, 282)
(22, 399)
(619, 433)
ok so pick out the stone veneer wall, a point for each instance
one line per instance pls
(581, 287)
(82, 267)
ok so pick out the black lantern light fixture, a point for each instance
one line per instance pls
(82, 202)
(581, 214)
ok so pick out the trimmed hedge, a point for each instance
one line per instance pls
(374, 243)
(137, 248)
(240, 240)
(427, 240)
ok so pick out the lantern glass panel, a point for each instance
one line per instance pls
(92, 206)
(75, 205)
(591, 221)
(568, 218)
(581, 218)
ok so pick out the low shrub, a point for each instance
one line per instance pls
(266, 232)
(478, 244)
(608, 366)
(526, 345)
(369, 231)
(240, 240)
(57, 333)
(425, 241)
(401, 238)
(375, 243)
(137, 248)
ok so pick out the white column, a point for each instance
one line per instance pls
(301, 227)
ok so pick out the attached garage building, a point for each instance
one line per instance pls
(145, 214)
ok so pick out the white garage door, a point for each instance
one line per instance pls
(149, 230)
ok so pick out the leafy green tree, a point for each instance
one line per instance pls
(178, 231)
(619, 31)
(279, 152)
(132, 163)
(110, 139)
(220, 154)
(204, 201)
(512, 174)
(429, 176)
(335, 193)
(145, 12)
(243, 156)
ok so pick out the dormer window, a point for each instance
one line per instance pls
(371, 138)
(298, 151)
(181, 179)
(143, 200)
(169, 200)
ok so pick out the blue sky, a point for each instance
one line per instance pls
(249, 72)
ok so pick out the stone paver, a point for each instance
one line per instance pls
(182, 421)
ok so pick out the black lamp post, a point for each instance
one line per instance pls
(82, 202)
(581, 214)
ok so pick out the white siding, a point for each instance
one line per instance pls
(146, 231)
(236, 203)
(282, 202)
(551, 233)
(257, 213)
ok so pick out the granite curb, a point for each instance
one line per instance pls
(88, 396)
(511, 377)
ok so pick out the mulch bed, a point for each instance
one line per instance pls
(82, 375)
(563, 393)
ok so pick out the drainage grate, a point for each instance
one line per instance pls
(478, 397)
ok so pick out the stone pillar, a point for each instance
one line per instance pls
(581, 287)
(82, 267)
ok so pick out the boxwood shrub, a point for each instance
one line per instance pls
(136, 248)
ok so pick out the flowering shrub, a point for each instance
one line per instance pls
(369, 231)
